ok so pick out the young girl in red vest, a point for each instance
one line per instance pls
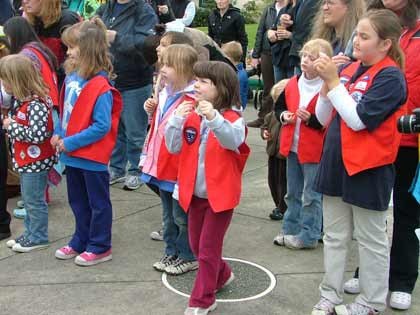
(159, 167)
(356, 173)
(301, 142)
(30, 129)
(90, 110)
(210, 141)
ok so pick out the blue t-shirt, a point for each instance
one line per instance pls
(243, 84)
(101, 123)
(370, 189)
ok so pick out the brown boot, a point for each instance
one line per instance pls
(255, 123)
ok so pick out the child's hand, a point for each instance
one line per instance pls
(340, 59)
(60, 145)
(150, 105)
(266, 135)
(7, 122)
(289, 117)
(54, 140)
(206, 109)
(184, 109)
(303, 114)
(327, 70)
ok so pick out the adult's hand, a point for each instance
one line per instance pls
(255, 62)
(272, 36)
(111, 34)
(286, 20)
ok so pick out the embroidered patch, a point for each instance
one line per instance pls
(22, 155)
(361, 85)
(34, 151)
(21, 116)
(357, 96)
(190, 134)
(344, 79)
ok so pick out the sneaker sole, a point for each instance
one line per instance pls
(93, 262)
(20, 249)
(178, 274)
(117, 180)
(341, 310)
(64, 256)
(132, 187)
(156, 238)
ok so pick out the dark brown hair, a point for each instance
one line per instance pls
(224, 79)
(408, 16)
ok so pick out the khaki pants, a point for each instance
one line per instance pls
(369, 226)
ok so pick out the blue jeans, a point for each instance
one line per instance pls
(131, 131)
(175, 228)
(88, 194)
(303, 217)
(33, 187)
(281, 73)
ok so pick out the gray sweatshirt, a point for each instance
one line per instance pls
(230, 135)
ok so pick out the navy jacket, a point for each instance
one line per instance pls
(133, 25)
(6, 11)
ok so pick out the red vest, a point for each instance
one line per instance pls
(26, 152)
(223, 167)
(49, 76)
(365, 149)
(81, 118)
(167, 165)
(310, 139)
(410, 44)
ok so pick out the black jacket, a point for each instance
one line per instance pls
(305, 13)
(267, 21)
(280, 49)
(163, 18)
(133, 25)
(230, 27)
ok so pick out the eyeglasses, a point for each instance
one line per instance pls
(328, 3)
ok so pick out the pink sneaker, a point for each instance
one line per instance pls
(65, 252)
(90, 259)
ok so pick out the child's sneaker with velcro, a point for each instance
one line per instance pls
(199, 310)
(65, 252)
(181, 266)
(355, 309)
(89, 259)
(324, 307)
(164, 262)
(26, 246)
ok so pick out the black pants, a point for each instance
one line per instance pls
(4, 215)
(277, 181)
(268, 78)
(405, 244)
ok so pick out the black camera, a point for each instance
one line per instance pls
(409, 123)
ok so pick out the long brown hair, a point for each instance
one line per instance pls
(387, 25)
(408, 15)
(224, 79)
(90, 38)
(22, 76)
(355, 10)
(49, 15)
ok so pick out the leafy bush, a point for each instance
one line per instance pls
(203, 12)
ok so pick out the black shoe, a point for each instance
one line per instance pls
(4, 235)
(257, 123)
(276, 215)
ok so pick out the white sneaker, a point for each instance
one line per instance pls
(114, 179)
(279, 239)
(157, 235)
(400, 300)
(181, 266)
(355, 309)
(199, 310)
(352, 286)
(323, 307)
(132, 182)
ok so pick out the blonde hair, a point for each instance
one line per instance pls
(49, 15)
(278, 88)
(355, 10)
(387, 25)
(22, 76)
(90, 38)
(233, 50)
(182, 58)
(315, 46)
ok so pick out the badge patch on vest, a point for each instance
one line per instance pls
(357, 96)
(190, 135)
(21, 116)
(34, 151)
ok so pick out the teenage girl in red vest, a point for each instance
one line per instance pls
(30, 130)
(356, 174)
(159, 167)
(210, 141)
(90, 110)
(301, 142)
